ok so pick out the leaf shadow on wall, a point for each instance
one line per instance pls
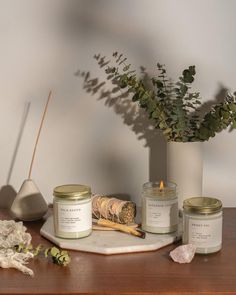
(92, 23)
(135, 118)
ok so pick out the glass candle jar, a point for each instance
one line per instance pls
(202, 224)
(159, 207)
(72, 210)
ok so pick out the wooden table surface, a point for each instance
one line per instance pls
(138, 273)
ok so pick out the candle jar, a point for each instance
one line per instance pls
(159, 207)
(72, 211)
(202, 224)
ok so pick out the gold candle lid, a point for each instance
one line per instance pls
(72, 191)
(202, 205)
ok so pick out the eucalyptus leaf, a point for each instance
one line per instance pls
(234, 124)
(232, 107)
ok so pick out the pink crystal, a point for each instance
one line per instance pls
(183, 254)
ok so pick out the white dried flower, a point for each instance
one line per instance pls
(13, 234)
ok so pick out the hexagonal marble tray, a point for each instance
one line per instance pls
(109, 242)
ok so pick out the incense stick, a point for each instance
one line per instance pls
(121, 227)
(39, 131)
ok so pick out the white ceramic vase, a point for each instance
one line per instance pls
(29, 203)
(185, 168)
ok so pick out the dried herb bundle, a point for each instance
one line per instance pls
(113, 209)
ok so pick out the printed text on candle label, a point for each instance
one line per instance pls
(161, 213)
(205, 233)
(74, 218)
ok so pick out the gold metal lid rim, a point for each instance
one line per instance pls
(72, 191)
(202, 205)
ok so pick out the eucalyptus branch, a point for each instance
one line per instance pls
(171, 105)
(60, 257)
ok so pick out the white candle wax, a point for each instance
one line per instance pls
(159, 208)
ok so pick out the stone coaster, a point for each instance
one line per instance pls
(109, 242)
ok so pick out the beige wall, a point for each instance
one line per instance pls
(43, 43)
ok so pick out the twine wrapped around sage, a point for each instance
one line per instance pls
(113, 209)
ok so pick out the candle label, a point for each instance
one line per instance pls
(74, 218)
(205, 233)
(161, 213)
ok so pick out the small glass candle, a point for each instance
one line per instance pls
(202, 220)
(72, 210)
(159, 207)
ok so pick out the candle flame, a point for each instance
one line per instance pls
(161, 185)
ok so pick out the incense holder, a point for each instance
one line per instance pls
(29, 204)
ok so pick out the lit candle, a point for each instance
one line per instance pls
(159, 207)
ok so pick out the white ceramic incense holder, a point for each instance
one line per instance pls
(29, 203)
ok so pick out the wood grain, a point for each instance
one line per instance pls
(137, 273)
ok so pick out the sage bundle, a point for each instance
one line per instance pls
(113, 209)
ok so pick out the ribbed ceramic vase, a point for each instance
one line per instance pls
(29, 203)
(185, 168)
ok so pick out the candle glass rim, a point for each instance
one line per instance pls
(168, 185)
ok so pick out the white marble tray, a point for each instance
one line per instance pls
(109, 242)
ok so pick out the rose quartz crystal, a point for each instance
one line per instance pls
(183, 254)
